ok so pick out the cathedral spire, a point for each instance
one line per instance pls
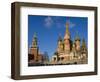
(60, 38)
(77, 38)
(67, 28)
(83, 47)
(83, 43)
(60, 44)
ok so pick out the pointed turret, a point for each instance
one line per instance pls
(67, 39)
(77, 38)
(67, 33)
(73, 46)
(60, 38)
(84, 52)
(77, 42)
(67, 28)
(34, 50)
(60, 44)
(34, 42)
(83, 47)
(83, 43)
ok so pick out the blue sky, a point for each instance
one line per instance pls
(48, 29)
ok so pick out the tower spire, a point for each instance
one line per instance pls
(60, 38)
(67, 28)
(35, 35)
(77, 38)
(83, 47)
(34, 42)
(83, 43)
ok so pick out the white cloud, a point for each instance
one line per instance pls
(57, 22)
(48, 22)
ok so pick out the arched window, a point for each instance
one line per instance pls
(62, 58)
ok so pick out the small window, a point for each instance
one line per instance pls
(54, 59)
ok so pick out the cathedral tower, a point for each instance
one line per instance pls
(67, 39)
(60, 45)
(83, 47)
(73, 47)
(77, 42)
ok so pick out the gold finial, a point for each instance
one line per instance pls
(67, 28)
